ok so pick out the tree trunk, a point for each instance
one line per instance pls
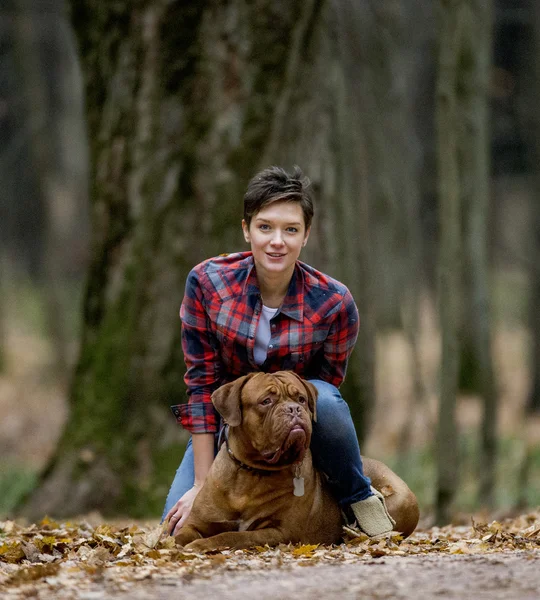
(533, 404)
(58, 153)
(354, 206)
(448, 160)
(476, 209)
(183, 99)
(3, 332)
(463, 141)
(531, 415)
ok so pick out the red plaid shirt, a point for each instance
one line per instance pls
(313, 333)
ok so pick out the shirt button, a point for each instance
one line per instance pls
(273, 325)
(271, 346)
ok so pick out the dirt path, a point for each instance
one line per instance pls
(506, 576)
(86, 561)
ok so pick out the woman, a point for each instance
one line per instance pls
(265, 310)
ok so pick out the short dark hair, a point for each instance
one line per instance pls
(276, 185)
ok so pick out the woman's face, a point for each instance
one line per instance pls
(277, 234)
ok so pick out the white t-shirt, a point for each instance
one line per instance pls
(263, 335)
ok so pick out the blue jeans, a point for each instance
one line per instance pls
(334, 447)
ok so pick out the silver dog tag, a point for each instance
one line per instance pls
(298, 481)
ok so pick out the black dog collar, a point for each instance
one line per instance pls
(225, 434)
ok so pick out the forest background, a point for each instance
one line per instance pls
(128, 132)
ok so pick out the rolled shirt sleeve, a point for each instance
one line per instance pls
(201, 355)
(340, 342)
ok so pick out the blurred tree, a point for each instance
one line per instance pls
(186, 100)
(534, 301)
(451, 16)
(353, 206)
(382, 62)
(2, 316)
(20, 202)
(44, 164)
(532, 408)
(476, 197)
(462, 118)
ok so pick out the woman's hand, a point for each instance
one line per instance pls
(180, 511)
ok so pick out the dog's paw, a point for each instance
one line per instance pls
(199, 546)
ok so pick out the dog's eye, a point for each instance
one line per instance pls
(266, 401)
(301, 399)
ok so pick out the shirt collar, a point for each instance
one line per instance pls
(293, 303)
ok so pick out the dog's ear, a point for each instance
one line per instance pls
(312, 394)
(226, 399)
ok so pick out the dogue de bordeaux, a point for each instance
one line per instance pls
(262, 487)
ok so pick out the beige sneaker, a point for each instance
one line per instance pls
(372, 516)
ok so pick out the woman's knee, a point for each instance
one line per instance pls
(330, 403)
(333, 417)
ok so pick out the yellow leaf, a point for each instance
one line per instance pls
(305, 550)
(12, 553)
(45, 543)
(48, 523)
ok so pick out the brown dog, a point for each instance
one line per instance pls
(253, 493)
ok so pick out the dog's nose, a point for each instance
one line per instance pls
(293, 408)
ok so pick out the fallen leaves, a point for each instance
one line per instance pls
(68, 556)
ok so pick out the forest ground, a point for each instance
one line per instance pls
(84, 561)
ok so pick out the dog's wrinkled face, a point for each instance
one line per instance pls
(273, 412)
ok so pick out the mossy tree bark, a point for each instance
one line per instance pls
(184, 100)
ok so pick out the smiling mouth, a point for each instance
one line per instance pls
(274, 255)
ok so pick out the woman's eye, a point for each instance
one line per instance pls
(266, 402)
(264, 227)
(292, 230)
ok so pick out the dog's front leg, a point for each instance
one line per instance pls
(187, 534)
(237, 540)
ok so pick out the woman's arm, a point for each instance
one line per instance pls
(203, 456)
(202, 358)
(340, 342)
(203, 376)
